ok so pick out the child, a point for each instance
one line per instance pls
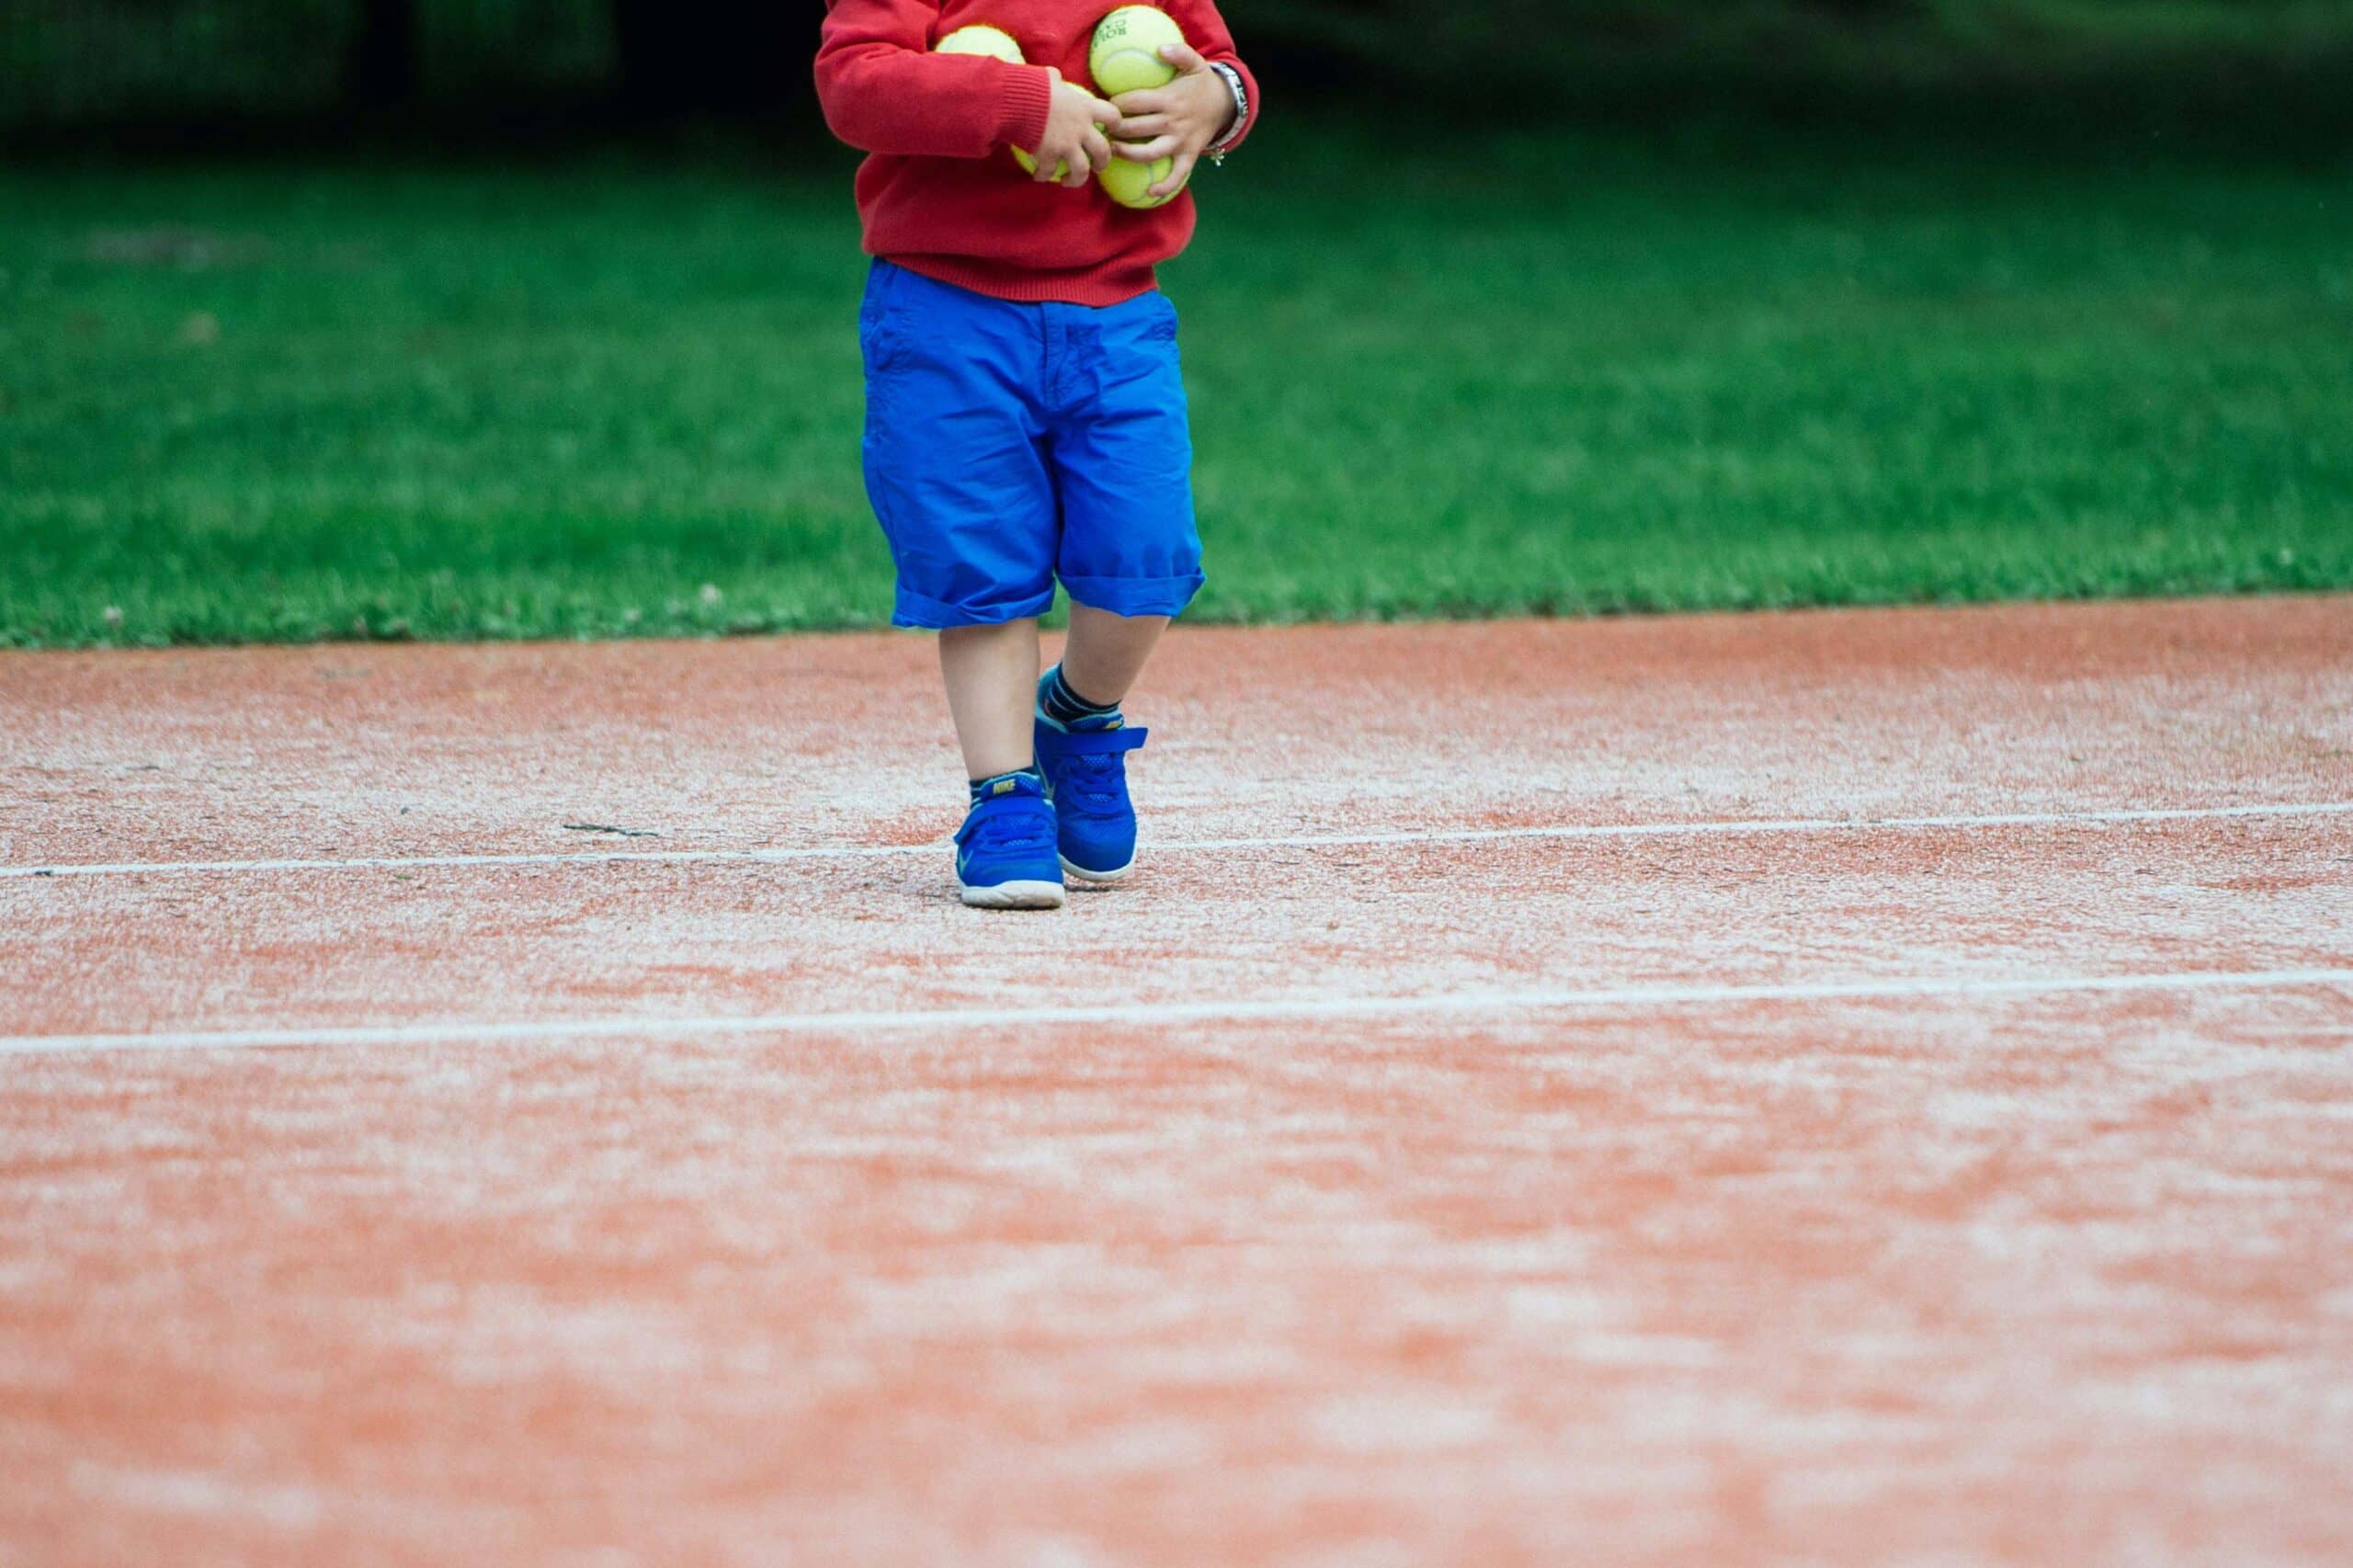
(1025, 414)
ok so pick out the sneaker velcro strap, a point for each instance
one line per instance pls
(1095, 742)
(1000, 807)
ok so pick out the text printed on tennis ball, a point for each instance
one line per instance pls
(1125, 54)
(1122, 57)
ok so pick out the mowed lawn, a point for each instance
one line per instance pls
(1554, 375)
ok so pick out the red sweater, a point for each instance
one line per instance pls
(940, 194)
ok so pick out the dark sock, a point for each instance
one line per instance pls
(982, 787)
(1065, 706)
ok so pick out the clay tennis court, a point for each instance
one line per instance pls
(1860, 1086)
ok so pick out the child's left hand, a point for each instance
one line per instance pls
(1175, 121)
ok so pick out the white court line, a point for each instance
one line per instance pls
(1304, 841)
(1629, 997)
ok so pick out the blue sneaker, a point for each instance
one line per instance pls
(1005, 851)
(1086, 780)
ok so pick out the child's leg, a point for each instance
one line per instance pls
(1083, 739)
(991, 677)
(956, 462)
(1106, 652)
(1005, 852)
(1130, 556)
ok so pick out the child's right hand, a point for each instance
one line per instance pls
(1074, 142)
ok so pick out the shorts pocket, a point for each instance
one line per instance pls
(880, 337)
(1163, 327)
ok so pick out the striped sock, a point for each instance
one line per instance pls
(1066, 707)
(984, 787)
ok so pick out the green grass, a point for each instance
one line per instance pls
(1555, 376)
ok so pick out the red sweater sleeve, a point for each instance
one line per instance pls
(1207, 32)
(884, 91)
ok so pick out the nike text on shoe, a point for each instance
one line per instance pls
(1005, 851)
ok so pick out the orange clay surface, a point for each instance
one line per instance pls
(1863, 1086)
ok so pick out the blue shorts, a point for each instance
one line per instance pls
(1007, 445)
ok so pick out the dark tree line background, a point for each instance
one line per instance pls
(70, 67)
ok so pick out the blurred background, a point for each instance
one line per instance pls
(490, 318)
(170, 65)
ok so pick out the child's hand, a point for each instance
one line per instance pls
(1074, 139)
(1175, 121)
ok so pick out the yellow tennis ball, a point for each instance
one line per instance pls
(1130, 183)
(994, 42)
(997, 44)
(1125, 55)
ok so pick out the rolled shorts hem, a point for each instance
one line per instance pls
(912, 609)
(1136, 596)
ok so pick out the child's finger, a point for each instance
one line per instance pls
(1098, 150)
(1182, 56)
(1080, 172)
(1143, 100)
(1150, 152)
(1144, 127)
(1178, 175)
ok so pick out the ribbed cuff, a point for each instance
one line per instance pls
(1022, 113)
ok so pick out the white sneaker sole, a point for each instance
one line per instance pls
(1014, 895)
(1084, 875)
